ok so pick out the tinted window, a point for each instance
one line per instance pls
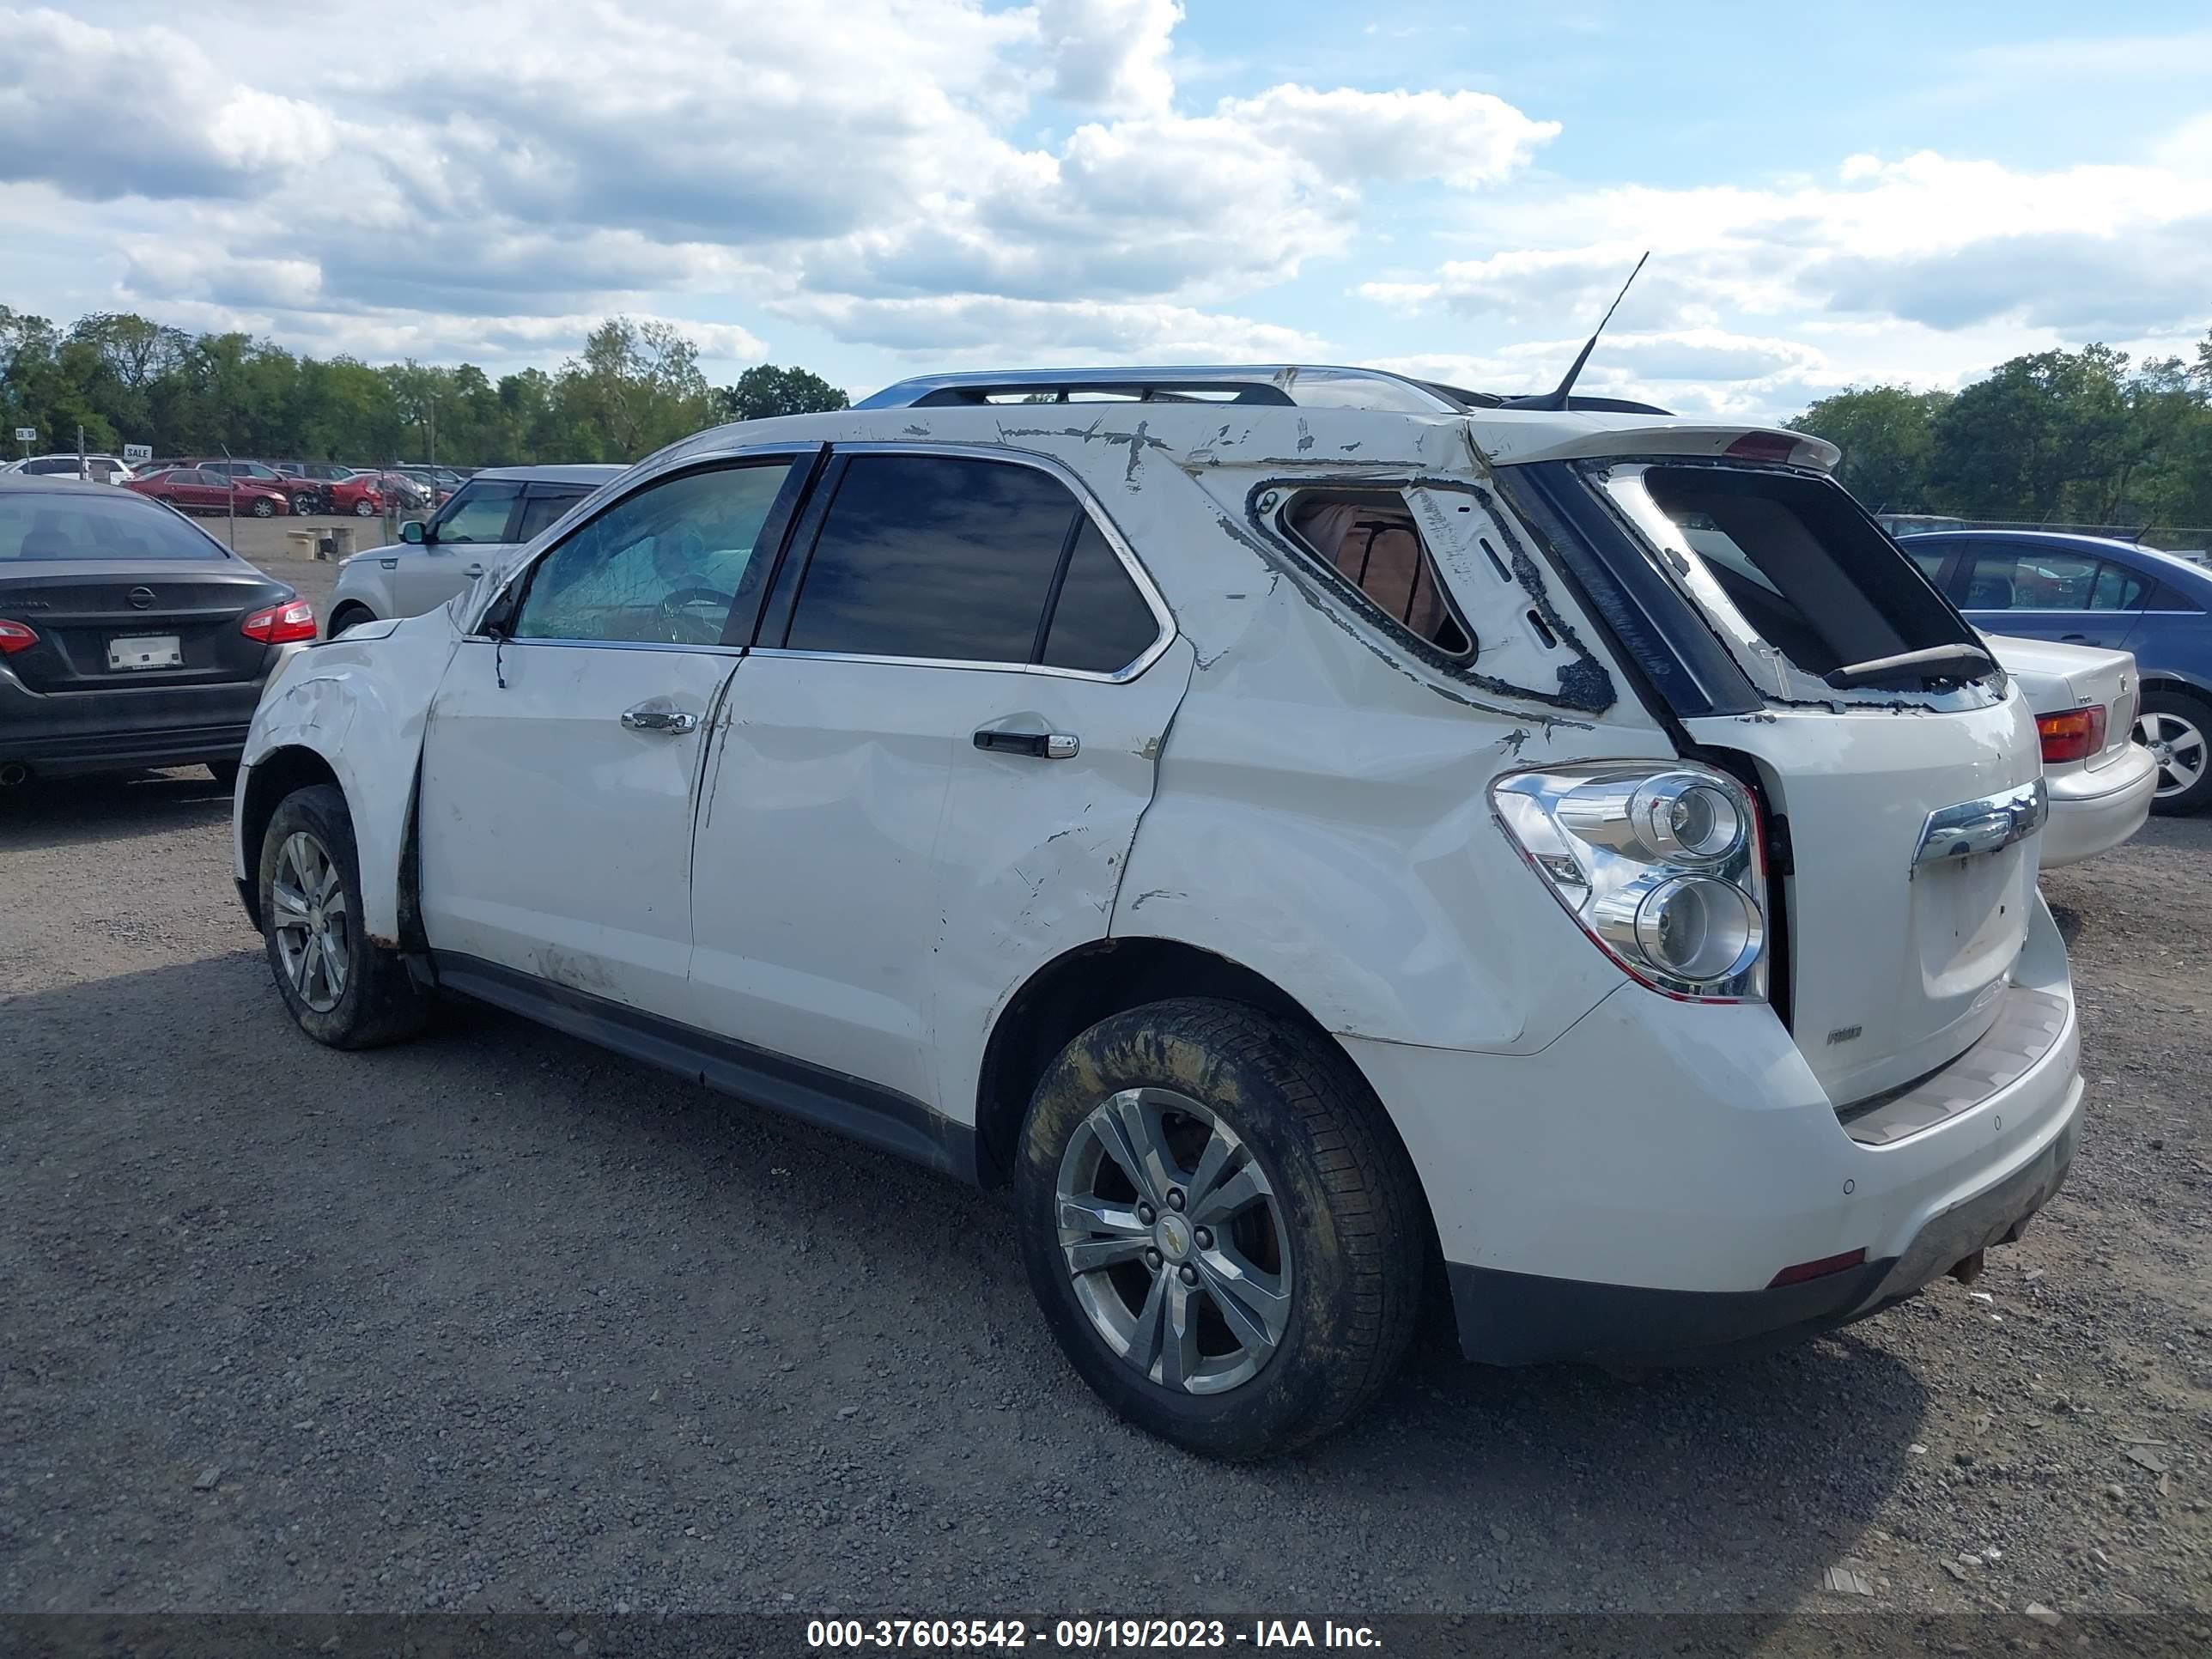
(544, 505)
(52, 466)
(478, 513)
(932, 557)
(121, 526)
(1102, 622)
(2163, 597)
(1931, 564)
(661, 567)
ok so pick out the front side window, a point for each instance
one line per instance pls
(662, 567)
(935, 556)
(478, 513)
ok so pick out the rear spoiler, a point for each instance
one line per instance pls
(1506, 442)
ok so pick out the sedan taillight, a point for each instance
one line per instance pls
(1662, 866)
(281, 624)
(2074, 735)
(16, 636)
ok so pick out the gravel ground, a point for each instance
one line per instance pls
(496, 1321)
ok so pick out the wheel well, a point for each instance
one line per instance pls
(352, 612)
(1072, 992)
(271, 778)
(2181, 688)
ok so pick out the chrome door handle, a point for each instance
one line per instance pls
(650, 717)
(1043, 745)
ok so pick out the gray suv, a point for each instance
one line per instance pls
(488, 518)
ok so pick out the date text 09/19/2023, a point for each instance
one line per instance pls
(1083, 1635)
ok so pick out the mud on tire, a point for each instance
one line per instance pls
(1342, 1201)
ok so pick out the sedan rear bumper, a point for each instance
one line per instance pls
(2091, 812)
(74, 733)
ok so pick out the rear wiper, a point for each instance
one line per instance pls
(1939, 662)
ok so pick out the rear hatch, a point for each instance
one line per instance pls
(1903, 772)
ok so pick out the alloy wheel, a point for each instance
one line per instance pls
(1174, 1241)
(2177, 746)
(309, 918)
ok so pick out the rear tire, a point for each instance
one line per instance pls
(1292, 1209)
(2177, 727)
(343, 990)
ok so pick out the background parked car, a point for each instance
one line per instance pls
(2086, 590)
(406, 494)
(324, 474)
(495, 512)
(197, 489)
(100, 469)
(128, 638)
(440, 489)
(2102, 781)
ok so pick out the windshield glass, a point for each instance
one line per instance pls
(42, 527)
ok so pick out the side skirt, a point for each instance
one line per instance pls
(862, 1111)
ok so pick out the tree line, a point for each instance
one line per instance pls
(2070, 437)
(126, 379)
(2054, 437)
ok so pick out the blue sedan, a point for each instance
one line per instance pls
(2086, 590)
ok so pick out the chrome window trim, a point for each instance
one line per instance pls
(1092, 508)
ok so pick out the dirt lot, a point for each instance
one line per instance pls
(496, 1321)
(265, 541)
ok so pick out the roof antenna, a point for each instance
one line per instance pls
(1556, 399)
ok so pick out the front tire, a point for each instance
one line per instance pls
(2178, 729)
(1223, 1233)
(263, 508)
(364, 509)
(342, 989)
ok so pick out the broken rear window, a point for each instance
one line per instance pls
(1369, 538)
(1790, 573)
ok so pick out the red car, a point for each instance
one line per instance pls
(300, 495)
(195, 490)
(362, 495)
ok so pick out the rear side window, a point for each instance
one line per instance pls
(1785, 563)
(36, 528)
(935, 557)
(543, 507)
(2028, 578)
(1101, 622)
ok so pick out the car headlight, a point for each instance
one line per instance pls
(1662, 866)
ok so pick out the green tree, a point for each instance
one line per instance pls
(1887, 434)
(2042, 434)
(766, 391)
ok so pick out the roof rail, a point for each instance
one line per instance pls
(1296, 385)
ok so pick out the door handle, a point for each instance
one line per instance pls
(1043, 745)
(473, 571)
(655, 717)
(2073, 639)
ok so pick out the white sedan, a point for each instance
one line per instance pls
(2101, 781)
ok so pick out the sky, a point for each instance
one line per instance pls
(1832, 195)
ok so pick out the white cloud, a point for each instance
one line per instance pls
(1108, 54)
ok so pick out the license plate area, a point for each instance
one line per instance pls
(138, 651)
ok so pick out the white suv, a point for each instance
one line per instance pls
(1301, 829)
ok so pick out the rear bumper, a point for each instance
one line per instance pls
(2091, 812)
(1631, 1192)
(72, 733)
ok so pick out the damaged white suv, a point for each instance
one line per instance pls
(1302, 829)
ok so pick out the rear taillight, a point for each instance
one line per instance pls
(2076, 735)
(1661, 866)
(281, 624)
(16, 636)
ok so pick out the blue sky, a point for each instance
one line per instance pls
(1851, 193)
